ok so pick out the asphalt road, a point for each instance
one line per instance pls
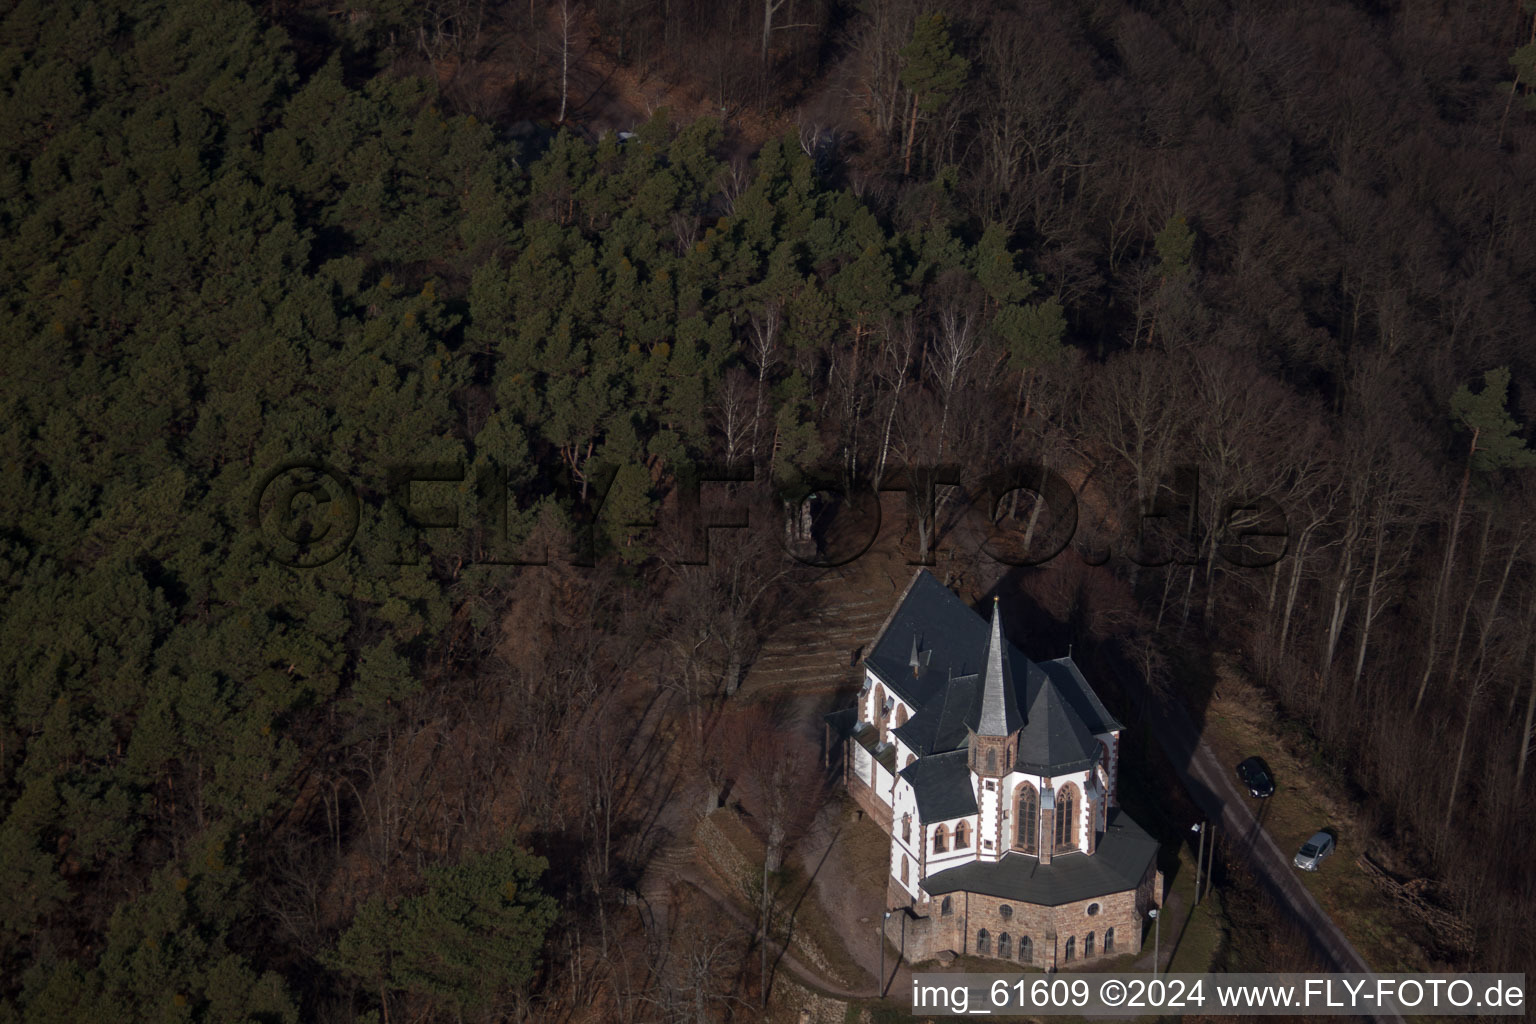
(1210, 784)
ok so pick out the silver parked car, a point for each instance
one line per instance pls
(1313, 851)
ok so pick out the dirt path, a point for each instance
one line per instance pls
(676, 866)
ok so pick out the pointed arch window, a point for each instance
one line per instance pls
(904, 878)
(1066, 818)
(940, 839)
(1088, 946)
(947, 907)
(1026, 950)
(984, 942)
(1068, 952)
(1109, 941)
(992, 762)
(906, 828)
(901, 716)
(1004, 946)
(962, 836)
(1026, 821)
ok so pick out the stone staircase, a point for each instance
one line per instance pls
(815, 653)
(668, 868)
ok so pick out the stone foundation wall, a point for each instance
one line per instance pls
(930, 932)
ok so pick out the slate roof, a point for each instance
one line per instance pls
(999, 706)
(942, 785)
(1119, 863)
(952, 636)
(1054, 737)
(844, 721)
(961, 674)
(1072, 686)
(940, 725)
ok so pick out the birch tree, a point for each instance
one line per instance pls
(1493, 445)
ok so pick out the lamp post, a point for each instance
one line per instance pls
(883, 919)
(1200, 857)
(1156, 937)
(1210, 864)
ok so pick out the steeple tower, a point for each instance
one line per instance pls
(996, 731)
(999, 710)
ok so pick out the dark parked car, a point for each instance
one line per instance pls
(1256, 776)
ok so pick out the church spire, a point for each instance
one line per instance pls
(999, 711)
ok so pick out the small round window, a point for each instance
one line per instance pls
(1093, 908)
(1005, 911)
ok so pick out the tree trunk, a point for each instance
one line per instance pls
(1188, 590)
(1466, 606)
(1341, 598)
(763, 950)
(885, 440)
(1493, 609)
(1013, 422)
(565, 57)
(1372, 592)
(1034, 513)
(1432, 633)
(1525, 732)
(767, 28)
(1461, 751)
(1293, 587)
(906, 160)
(1210, 566)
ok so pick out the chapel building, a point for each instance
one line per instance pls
(996, 777)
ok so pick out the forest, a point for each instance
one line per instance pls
(1275, 241)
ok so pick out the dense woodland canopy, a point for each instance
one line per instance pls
(1284, 242)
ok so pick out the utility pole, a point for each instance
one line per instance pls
(1210, 865)
(1199, 857)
